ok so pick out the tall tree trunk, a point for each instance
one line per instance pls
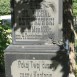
(69, 32)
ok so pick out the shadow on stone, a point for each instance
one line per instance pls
(62, 59)
(27, 13)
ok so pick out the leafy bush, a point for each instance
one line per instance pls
(4, 7)
(75, 7)
(5, 36)
(5, 40)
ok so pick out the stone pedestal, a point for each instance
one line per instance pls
(33, 61)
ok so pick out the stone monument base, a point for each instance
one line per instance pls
(33, 61)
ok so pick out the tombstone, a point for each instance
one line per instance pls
(37, 37)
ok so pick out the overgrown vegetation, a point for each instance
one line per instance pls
(5, 40)
(75, 7)
(4, 31)
(4, 7)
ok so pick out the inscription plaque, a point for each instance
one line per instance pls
(37, 21)
(31, 68)
(31, 63)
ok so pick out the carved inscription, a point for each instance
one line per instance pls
(37, 20)
(31, 68)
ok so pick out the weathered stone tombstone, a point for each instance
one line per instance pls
(35, 22)
(37, 34)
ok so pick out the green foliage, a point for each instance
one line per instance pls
(4, 7)
(4, 42)
(5, 37)
(75, 7)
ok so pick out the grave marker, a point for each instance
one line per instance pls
(37, 37)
